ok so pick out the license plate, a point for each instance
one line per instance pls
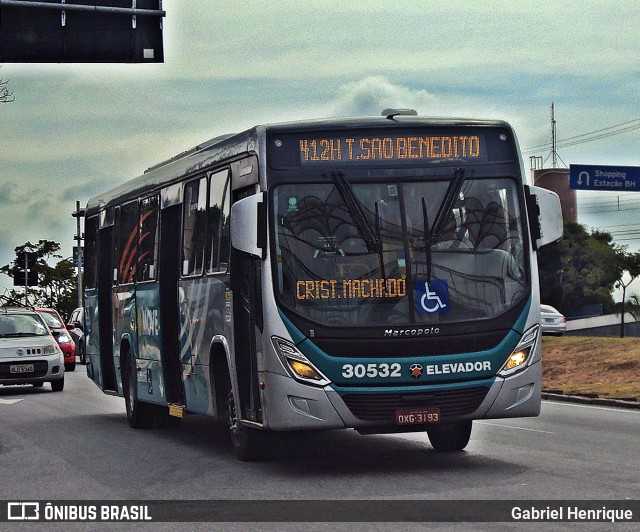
(21, 368)
(419, 416)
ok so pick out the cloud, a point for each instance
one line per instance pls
(372, 94)
(7, 193)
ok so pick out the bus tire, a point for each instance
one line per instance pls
(452, 437)
(139, 414)
(248, 444)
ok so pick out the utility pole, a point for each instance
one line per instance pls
(26, 279)
(78, 237)
(554, 136)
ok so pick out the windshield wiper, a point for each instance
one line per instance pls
(453, 192)
(367, 232)
(433, 235)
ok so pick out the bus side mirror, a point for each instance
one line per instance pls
(249, 225)
(545, 216)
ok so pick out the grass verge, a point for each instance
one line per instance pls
(608, 367)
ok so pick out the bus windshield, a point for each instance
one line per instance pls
(399, 252)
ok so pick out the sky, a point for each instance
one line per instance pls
(74, 131)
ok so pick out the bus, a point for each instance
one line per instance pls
(371, 273)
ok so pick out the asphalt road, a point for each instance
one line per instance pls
(76, 444)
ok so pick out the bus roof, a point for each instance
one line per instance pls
(226, 147)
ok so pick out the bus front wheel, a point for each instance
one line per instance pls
(139, 414)
(452, 437)
(249, 444)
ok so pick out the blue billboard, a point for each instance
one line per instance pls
(612, 178)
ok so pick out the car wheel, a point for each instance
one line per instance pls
(451, 437)
(71, 366)
(139, 414)
(57, 386)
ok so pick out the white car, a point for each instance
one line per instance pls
(29, 354)
(552, 321)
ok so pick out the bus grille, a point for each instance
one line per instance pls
(382, 407)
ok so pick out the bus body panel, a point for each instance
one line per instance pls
(92, 337)
(125, 334)
(149, 344)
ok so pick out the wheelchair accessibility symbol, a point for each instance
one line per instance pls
(432, 297)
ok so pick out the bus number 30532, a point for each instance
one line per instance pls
(359, 371)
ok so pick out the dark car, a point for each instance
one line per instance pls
(61, 334)
(75, 326)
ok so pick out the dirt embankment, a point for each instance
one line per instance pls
(608, 367)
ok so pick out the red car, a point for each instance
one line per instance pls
(62, 336)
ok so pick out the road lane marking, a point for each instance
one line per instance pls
(514, 427)
(596, 407)
(9, 401)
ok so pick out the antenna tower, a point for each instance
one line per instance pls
(554, 139)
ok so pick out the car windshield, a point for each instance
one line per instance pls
(16, 325)
(51, 319)
(399, 252)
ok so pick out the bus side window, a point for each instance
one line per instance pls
(193, 226)
(148, 241)
(218, 222)
(126, 255)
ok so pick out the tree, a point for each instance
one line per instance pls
(633, 306)
(6, 96)
(56, 284)
(631, 265)
(579, 270)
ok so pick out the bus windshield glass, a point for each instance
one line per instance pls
(399, 252)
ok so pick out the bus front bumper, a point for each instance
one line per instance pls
(296, 406)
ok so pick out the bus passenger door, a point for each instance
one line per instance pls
(105, 325)
(169, 320)
(246, 282)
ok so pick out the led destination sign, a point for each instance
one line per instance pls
(351, 289)
(391, 148)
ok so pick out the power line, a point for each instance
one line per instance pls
(598, 134)
(620, 225)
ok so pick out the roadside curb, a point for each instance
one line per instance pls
(619, 403)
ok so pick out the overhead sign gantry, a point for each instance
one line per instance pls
(76, 31)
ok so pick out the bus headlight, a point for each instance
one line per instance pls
(521, 356)
(298, 365)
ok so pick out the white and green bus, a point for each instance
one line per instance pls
(375, 273)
